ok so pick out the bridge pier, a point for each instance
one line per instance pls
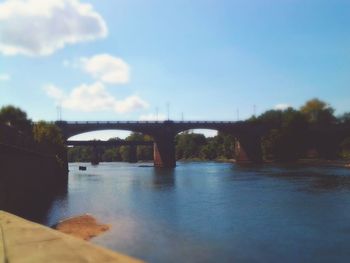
(164, 151)
(132, 154)
(95, 155)
(248, 150)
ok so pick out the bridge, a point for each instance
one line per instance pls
(108, 143)
(247, 135)
(111, 143)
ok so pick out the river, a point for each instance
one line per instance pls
(214, 212)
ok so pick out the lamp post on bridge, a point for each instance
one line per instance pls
(168, 109)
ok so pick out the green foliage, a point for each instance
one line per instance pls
(344, 118)
(345, 148)
(318, 112)
(49, 138)
(47, 134)
(285, 142)
(125, 153)
(144, 153)
(272, 117)
(16, 129)
(16, 118)
(111, 155)
(188, 145)
(196, 146)
(79, 154)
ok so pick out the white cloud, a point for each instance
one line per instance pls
(281, 106)
(94, 97)
(152, 117)
(106, 68)
(53, 92)
(40, 27)
(129, 104)
(4, 77)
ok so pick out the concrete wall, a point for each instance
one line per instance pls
(29, 181)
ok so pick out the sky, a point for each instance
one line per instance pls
(182, 59)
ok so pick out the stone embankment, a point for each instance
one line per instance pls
(27, 242)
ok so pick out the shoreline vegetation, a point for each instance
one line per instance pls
(307, 162)
(292, 135)
(82, 226)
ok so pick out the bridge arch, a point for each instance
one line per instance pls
(206, 132)
(100, 135)
(164, 132)
(136, 147)
(70, 129)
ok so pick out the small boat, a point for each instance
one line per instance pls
(82, 168)
(95, 161)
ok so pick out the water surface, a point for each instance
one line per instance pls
(215, 212)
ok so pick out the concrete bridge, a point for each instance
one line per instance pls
(112, 143)
(248, 135)
(108, 143)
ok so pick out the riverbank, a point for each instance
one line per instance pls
(84, 227)
(312, 162)
(318, 162)
(307, 162)
(28, 242)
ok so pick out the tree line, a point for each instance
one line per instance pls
(313, 130)
(17, 130)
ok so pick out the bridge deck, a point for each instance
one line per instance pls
(146, 122)
(108, 143)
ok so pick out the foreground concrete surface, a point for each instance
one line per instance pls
(23, 241)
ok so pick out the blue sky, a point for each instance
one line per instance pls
(207, 59)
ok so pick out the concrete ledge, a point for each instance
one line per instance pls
(27, 242)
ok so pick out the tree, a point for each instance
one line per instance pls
(318, 112)
(124, 152)
(49, 138)
(344, 118)
(80, 154)
(188, 145)
(287, 140)
(16, 118)
(271, 117)
(345, 148)
(111, 155)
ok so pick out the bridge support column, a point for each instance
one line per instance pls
(248, 150)
(133, 154)
(164, 151)
(95, 155)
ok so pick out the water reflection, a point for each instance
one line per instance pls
(209, 212)
(163, 178)
(308, 178)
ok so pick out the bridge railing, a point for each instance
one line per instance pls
(147, 122)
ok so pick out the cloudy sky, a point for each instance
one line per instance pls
(207, 59)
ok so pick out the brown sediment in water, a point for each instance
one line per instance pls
(83, 226)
